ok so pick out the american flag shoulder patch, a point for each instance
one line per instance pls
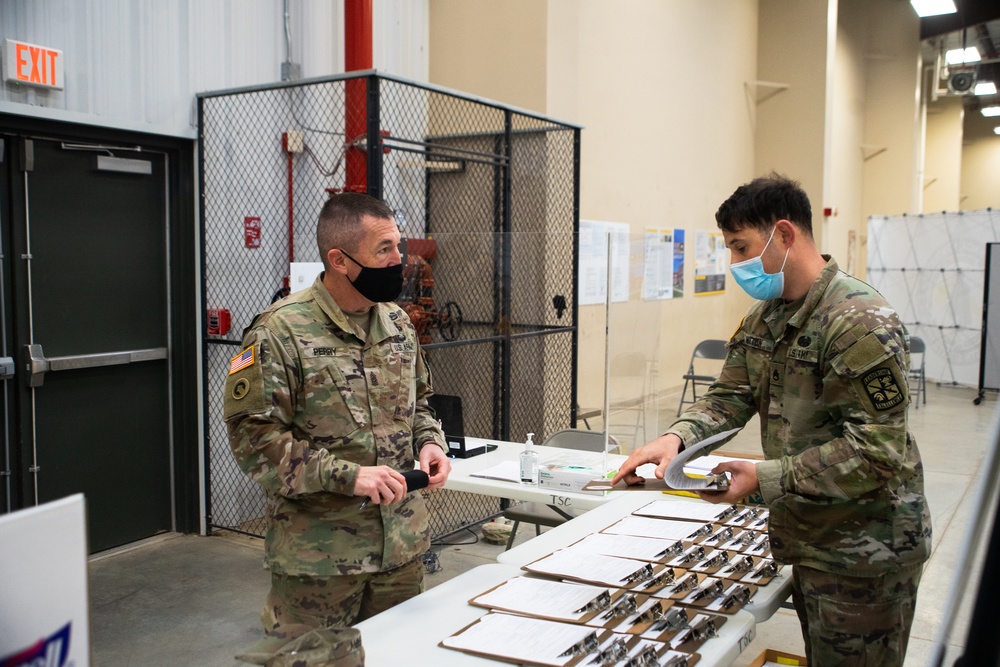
(241, 361)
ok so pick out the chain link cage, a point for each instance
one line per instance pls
(487, 201)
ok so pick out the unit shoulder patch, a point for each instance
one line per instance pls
(882, 388)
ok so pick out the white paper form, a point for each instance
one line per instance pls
(507, 471)
(664, 529)
(675, 477)
(542, 597)
(537, 640)
(691, 511)
(607, 570)
(626, 546)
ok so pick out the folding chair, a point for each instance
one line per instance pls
(917, 375)
(541, 514)
(706, 349)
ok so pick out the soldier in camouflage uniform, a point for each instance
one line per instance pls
(823, 360)
(325, 406)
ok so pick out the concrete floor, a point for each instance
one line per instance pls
(190, 600)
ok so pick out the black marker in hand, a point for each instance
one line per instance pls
(415, 479)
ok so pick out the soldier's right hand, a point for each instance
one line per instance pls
(382, 485)
(660, 451)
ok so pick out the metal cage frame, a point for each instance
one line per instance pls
(495, 189)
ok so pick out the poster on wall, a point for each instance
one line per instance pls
(593, 277)
(709, 263)
(663, 271)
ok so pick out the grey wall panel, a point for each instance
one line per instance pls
(139, 64)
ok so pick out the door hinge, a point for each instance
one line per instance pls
(34, 469)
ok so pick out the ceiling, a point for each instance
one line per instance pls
(977, 23)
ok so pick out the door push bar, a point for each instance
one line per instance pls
(37, 365)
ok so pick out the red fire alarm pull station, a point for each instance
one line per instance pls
(251, 232)
(218, 321)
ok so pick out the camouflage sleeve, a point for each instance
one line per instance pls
(728, 403)
(870, 394)
(259, 405)
(425, 427)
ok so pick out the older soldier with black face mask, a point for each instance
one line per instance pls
(326, 407)
(822, 358)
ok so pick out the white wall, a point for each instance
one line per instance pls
(980, 163)
(943, 156)
(667, 137)
(138, 65)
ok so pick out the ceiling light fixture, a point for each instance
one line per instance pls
(933, 7)
(960, 56)
(985, 88)
(990, 112)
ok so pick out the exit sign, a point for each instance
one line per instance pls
(32, 65)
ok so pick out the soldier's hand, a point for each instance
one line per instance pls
(660, 451)
(742, 482)
(435, 463)
(382, 485)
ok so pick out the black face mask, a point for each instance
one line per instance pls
(378, 285)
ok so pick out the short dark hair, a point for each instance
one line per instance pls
(762, 202)
(339, 224)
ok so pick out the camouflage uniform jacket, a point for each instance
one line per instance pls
(842, 477)
(315, 402)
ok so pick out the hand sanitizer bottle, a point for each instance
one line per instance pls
(529, 463)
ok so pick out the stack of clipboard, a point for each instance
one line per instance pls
(646, 591)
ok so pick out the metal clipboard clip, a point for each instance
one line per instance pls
(711, 590)
(675, 619)
(728, 512)
(586, 645)
(616, 651)
(597, 604)
(674, 549)
(742, 564)
(651, 615)
(686, 583)
(644, 572)
(645, 658)
(676, 661)
(704, 531)
(718, 560)
(768, 568)
(718, 482)
(738, 594)
(664, 578)
(704, 628)
(694, 553)
(724, 535)
(624, 607)
(762, 545)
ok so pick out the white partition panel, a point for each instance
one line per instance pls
(931, 268)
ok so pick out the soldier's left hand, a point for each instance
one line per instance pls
(435, 463)
(742, 482)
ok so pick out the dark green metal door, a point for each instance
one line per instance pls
(91, 299)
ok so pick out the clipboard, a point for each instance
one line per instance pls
(636, 571)
(552, 589)
(482, 632)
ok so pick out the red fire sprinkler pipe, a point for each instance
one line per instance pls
(357, 56)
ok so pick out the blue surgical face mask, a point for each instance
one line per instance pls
(751, 277)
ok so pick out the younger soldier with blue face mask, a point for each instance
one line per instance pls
(822, 359)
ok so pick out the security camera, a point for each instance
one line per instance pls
(960, 83)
